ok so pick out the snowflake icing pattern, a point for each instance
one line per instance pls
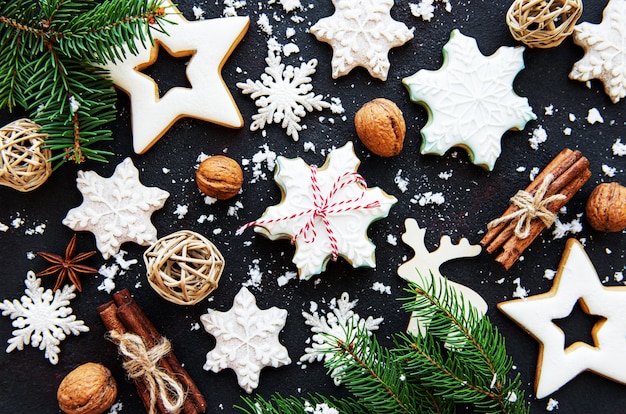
(283, 95)
(116, 209)
(42, 318)
(605, 51)
(361, 36)
(246, 339)
(334, 325)
(470, 100)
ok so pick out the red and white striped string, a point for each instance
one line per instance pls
(322, 208)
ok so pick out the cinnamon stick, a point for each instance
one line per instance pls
(131, 314)
(570, 171)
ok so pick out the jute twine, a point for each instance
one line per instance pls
(543, 23)
(143, 363)
(24, 163)
(530, 207)
(184, 267)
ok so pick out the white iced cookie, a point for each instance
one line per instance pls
(209, 43)
(325, 211)
(116, 209)
(575, 282)
(361, 34)
(425, 263)
(605, 50)
(470, 100)
(246, 339)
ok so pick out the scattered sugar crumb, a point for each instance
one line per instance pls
(552, 405)
(254, 275)
(195, 326)
(335, 106)
(428, 198)
(520, 169)
(217, 231)
(3, 227)
(426, 8)
(618, 276)
(379, 287)
(116, 408)
(594, 116)
(17, 222)
(165, 170)
(231, 7)
(563, 229)
(608, 251)
(308, 146)
(520, 292)
(201, 157)
(290, 5)
(265, 155)
(445, 175)
(572, 117)
(539, 136)
(500, 281)
(290, 32)
(533, 173)
(208, 200)
(290, 49)
(619, 149)
(232, 210)
(198, 12)
(549, 274)
(401, 182)
(31, 255)
(109, 273)
(204, 218)
(264, 24)
(181, 211)
(284, 279)
(567, 131)
(549, 110)
(392, 240)
(38, 229)
(609, 171)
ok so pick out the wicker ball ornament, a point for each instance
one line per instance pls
(24, 163)
(184, 267)
(543, 23)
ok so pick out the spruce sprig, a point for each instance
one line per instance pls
(48, 56)
(300, 405)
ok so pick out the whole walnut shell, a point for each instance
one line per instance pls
(381, 128)
(88, 389)
(606, 207)
(219, 177)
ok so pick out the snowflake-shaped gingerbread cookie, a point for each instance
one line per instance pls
(325, 211)
(361, 35)
(283, 95)
(470, 100)
(246, 339)
(116, 209)
(43, 318)
(605, 50)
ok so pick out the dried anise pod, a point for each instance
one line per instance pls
(68, 266)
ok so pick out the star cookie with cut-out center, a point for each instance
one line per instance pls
(470, 100)
(575, 282)
(361, 35)
(209, 43)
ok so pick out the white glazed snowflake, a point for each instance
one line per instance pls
(361, 35)
(605, 50)
(337, 324)
(470, 100)
(116, 209)
(325, 211)
(246, 339)
(283, 95)
(42, 318)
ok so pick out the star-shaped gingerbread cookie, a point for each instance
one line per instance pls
(361, 34)
(470, 100)
(116, 209)
(209, 43)
(246, 339)
(605, 50)
(575, 282)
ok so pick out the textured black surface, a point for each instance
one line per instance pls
(473, 197)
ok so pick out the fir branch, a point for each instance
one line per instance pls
(461, 355)
(50, 49)
(299, 405)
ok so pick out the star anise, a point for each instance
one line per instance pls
(68, 266)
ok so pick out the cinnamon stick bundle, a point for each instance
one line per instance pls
(569, 171)
(122, 315)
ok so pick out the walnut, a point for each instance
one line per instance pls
(380, 126)
(219, 177)
(88, 389)
(606, 208)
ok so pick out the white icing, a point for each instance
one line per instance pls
(470, 100)
(210, 42)
(116, 209)
(576, 280)
(361, 36)
(246, 339)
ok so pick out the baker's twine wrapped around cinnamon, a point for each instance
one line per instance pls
(24, 162)
(142, 362)
(184, 267)
(530, 208)
(543, 23)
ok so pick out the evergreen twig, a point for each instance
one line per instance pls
(48, 56)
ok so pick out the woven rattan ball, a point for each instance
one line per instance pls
(184, 267)
(543, 23)
(24, 163)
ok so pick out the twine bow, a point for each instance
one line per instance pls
(143, 362)
(323, 206)
(530, 208)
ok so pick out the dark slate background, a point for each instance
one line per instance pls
(473, 197)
